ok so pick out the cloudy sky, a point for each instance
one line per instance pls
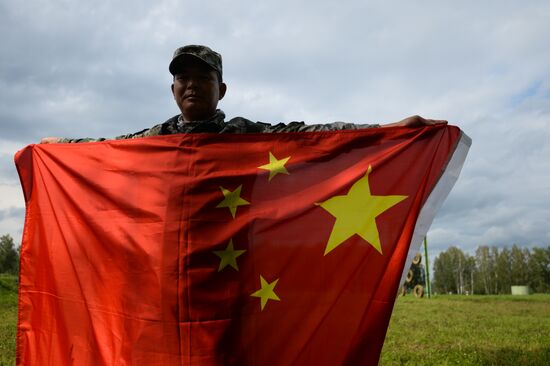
(100, 68)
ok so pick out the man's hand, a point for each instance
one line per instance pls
(416, 121)
(50, 140)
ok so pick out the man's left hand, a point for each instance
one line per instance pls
(416, 121)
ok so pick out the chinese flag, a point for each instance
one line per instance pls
(234, 249)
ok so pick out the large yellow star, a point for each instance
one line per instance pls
(232, 200)
(266, 292)
(356, 212)
(275, 166)
(228, 256)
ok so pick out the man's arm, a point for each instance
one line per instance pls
(160, 129)
(412, 121)
(153, 131)
(62, 140)
(168, 126)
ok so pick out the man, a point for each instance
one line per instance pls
(198, 87)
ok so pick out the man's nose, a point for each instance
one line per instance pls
(192, 82)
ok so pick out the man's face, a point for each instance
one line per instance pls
(197, 90)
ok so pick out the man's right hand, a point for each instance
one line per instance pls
(50, 140)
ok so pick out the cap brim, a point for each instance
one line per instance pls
(179, 62)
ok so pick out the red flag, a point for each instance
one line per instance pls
(207, 249)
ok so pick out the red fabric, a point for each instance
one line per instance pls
(118, 264)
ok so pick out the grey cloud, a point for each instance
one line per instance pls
(8, 173)
(12, 212)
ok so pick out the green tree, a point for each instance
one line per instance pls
(443, 275)
(485, 262)
(458, 260)
(503, 271)
(9, 258)
(539, 269)
(519, 260)
(450, 271)
(470, 274)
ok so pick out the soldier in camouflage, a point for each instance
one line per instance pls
(198, 87)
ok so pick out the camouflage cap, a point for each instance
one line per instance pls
(203, 53)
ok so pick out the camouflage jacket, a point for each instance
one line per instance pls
(217, 124)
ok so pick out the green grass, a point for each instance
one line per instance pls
(8, 318)
(444, 330)
(469, 330)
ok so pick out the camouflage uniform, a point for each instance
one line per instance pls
(217, 124)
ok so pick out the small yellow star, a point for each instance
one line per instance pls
(356, 212)
(275, 166)
(232, 200)
(228, 256)
(266, 292)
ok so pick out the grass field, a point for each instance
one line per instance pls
(443, 330)
(469, 330)
(8, 319)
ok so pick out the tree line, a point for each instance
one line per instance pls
(491, 270)
(9, 256)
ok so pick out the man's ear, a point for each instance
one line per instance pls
(172, 88)
(223, 89)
